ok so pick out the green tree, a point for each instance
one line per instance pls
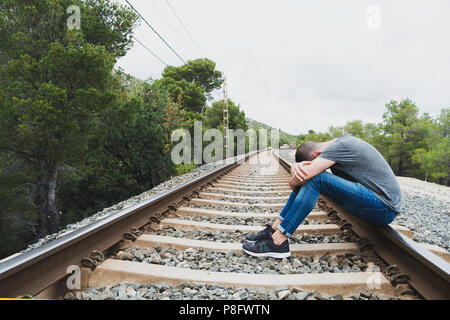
(374, 134)
(134, 157)
(335, 132)
(213, 118)
(434, 159)
(202, 72)
(16, 211)
(56, 83)
(143, 145)
(236, 117)
(313, 136)
(192, 82)
(405, 133)
(355, 127)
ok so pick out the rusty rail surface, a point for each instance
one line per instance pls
(428, 273)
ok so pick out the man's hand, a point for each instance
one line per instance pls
(294, 184)
(299, 172)
(303, 171)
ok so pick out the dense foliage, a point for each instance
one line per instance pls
(76, 135)
(55, 85)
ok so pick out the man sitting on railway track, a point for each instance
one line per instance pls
(362, 183)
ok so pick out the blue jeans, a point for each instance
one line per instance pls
(351, 196)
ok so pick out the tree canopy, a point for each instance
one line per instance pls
(55, 83)
(192, 83)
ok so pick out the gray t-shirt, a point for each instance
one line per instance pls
(358, 161)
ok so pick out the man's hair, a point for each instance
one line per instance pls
(305, 151)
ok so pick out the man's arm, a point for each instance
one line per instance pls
(303, 171)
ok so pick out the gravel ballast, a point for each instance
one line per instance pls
(202, 291)
(242, 221)
(254, 202)
(229, 220)
(239, 262)
(238, 236)
(251, 194)
(229, 208)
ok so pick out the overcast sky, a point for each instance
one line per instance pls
(300, 65)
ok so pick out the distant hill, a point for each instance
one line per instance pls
(284, 136)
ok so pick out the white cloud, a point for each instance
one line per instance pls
(301, 65)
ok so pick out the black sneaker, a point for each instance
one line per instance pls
(265, 233)
(266, 248)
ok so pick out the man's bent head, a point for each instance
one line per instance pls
(307, 151)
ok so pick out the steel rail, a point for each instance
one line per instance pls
(34, 271)
(429, 274)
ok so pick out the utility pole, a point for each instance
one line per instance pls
(225, 115)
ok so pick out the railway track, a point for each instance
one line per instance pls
(193, 234)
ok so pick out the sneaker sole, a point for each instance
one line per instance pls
(278, 255)
(252, 241)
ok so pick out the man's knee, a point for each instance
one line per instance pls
(321, 175)
(316, 180)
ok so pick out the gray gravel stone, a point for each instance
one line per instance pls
(252, 209)
(426, 215)
(208, 260)
(238, 236)
(241, 221)
(189, 291)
